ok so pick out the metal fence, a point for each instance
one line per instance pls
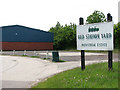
(41, 54)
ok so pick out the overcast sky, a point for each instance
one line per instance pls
(44, 14)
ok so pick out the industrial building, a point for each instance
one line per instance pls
(17, 37)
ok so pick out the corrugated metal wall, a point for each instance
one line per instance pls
(18, 33)
(23, 38)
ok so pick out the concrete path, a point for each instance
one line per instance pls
(22, 72)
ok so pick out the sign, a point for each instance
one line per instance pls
(97, 36)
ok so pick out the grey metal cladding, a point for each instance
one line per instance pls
(17, 33)
(0, 34)
(119, 11)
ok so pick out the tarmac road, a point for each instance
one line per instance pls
(76, 56)
(66, 56)
(22, 72)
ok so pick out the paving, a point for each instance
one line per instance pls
(23, 72)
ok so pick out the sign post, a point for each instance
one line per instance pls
(97, 36)
(109, 19)
(81, 22)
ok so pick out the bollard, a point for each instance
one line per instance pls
(46, 54)
(13, 52)
(34, 53)
(1, 52)
(24, 52)
(55, 56)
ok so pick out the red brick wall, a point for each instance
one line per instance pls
(26, 46)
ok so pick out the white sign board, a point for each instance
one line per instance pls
(97, 36)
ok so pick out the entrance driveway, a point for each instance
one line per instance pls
(22, 72)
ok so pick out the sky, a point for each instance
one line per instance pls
(44, 14)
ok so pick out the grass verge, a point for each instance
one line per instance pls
(31, 56)
(59, 61)
(94, 76)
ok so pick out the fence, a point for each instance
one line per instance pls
(41, 54)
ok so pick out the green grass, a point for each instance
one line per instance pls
(94, 76)
(34, 56)
(30, 56)
(59, 61)
(23, 55)
(45, 58)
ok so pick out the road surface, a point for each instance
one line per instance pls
(23, 72)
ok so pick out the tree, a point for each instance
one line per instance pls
(96, 17)
(64, 36)
(117, 35)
